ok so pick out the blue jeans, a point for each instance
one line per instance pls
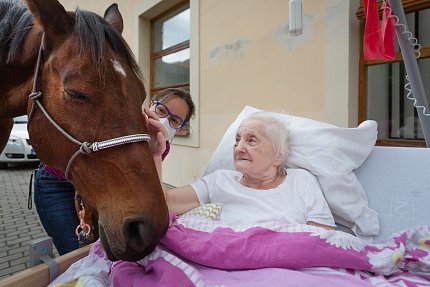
(55, 203)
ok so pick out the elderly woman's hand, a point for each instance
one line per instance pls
(157, 131)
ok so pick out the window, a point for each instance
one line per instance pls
(170, 51)
(382, 93)
(151, 16)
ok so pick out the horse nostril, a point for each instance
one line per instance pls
(137, 233)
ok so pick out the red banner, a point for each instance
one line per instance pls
(378, 40)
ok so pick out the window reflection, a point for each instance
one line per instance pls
(172, 69)
(172, 29)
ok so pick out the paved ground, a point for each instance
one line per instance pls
(18, 224)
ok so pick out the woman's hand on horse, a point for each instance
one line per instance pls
(157, 131)
(160, 145)
(153, 123)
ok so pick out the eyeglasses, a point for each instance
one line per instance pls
(162, 111)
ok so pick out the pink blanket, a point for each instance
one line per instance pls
(200, 252)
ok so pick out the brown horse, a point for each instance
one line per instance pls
(86, 80)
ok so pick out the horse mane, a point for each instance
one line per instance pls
(15, 21)
(91, 29)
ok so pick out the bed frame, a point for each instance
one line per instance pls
(396, 180)
(397, 184)
(38, 276)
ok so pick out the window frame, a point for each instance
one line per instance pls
(409, 6)
(148, 10)
(175, 48)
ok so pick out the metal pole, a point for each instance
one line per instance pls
(414, 75)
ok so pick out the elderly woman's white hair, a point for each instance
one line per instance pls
(277, 132)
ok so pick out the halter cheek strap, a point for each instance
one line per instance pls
(85, 147)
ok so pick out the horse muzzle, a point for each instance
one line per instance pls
(140, 238)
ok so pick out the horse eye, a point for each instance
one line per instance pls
(77, 95)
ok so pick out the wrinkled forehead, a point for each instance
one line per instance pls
(251, 127)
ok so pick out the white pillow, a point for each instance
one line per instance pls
(331, 154)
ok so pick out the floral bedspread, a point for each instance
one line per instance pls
(201, 252)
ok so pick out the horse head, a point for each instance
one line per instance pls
(90, 85)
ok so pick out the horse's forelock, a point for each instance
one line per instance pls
(93, 31)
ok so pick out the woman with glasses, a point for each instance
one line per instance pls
(173, 108)
(54, 196)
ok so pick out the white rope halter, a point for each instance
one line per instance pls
(85, 147)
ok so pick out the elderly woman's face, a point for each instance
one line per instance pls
(253, 151)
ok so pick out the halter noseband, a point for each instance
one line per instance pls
(85, 147)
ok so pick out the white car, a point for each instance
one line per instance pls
(18, 148)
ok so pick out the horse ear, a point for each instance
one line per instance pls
(113, 17)
(51, 15)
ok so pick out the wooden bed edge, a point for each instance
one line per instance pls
(38, 276)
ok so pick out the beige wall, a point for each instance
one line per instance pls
(246, 57)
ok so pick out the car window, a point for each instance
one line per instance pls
(21, 120)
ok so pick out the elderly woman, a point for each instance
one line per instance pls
(260, 189)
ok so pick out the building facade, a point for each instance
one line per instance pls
(240, 53)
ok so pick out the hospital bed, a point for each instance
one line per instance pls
(395, 179)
